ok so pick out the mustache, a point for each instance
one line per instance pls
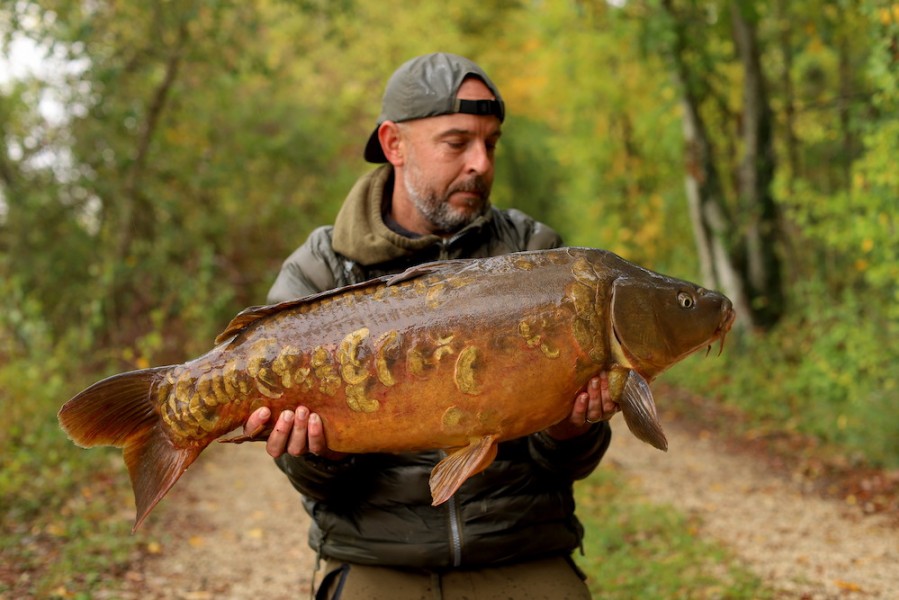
(476, 184)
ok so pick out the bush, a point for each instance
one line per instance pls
(66, 511)
(827, 371)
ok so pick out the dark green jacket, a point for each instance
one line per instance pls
(376, 508)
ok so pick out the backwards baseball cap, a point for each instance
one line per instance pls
(426, 86)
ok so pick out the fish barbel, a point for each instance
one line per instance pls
(458, 355)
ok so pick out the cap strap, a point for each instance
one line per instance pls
(480, 107)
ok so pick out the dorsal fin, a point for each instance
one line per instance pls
(250, 315)
(426, 269)
(244, 318)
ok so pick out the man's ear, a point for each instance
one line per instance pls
(392, 143)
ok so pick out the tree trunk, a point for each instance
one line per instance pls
(759, 262)
(713, 226)
(737, 247)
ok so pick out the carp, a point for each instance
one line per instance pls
(456, 355)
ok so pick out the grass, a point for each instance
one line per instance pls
(636, 549)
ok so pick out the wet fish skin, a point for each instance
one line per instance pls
(457, 354)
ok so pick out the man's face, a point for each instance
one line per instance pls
(448, 168)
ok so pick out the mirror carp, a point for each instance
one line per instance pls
(456, 355)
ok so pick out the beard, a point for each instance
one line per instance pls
(436, 207)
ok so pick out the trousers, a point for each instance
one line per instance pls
(546, 579)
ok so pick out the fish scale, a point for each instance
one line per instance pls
(456, 355)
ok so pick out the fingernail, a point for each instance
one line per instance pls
(264, 413)
(314, 419)
(287, 416)
(594, 383)
(302, 413)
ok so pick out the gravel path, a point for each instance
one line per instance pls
(233, 527)
(799, 543)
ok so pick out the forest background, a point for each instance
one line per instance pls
(167, 156)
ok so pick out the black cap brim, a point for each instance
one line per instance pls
(373, 151)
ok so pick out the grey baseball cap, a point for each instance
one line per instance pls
(426, 86)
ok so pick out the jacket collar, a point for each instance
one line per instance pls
(361, 235)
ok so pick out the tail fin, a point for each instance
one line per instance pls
(119, 411)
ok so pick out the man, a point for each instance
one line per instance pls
(510, 531)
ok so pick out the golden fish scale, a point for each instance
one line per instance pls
(382, 381)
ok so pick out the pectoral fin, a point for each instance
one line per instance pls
(452, 471)
(639, 411)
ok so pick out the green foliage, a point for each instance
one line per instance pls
(828, 373)
(829, 369)
(634, 549)
(60, 529)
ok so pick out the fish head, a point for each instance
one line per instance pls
(657, 321)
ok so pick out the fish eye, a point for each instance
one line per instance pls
(685, 300)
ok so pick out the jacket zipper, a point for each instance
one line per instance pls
(455, 530)
(455, 526)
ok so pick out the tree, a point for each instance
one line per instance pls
(737, 230)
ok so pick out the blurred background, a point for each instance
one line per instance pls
(160, 159)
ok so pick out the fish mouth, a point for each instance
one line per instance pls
(723, 329)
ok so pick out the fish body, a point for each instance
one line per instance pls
(458, 355)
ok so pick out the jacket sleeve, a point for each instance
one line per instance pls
(522, 232)
(320, 478)
(309, 270)
(575, 458)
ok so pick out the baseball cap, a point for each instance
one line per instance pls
(426, 86)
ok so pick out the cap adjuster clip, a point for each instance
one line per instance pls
(479, 107)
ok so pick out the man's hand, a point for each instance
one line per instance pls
(295, 432)
(592, 405)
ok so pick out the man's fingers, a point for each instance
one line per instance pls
(257, 421)
(297, 444)
(277, 440)
(316, 432)
(594, 400)
(579, 410)
(600, 406)
(609, 406)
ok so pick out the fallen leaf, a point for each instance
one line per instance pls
(847, 586)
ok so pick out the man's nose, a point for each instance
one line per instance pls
(480, 158)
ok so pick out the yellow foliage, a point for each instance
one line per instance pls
(889, 14)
